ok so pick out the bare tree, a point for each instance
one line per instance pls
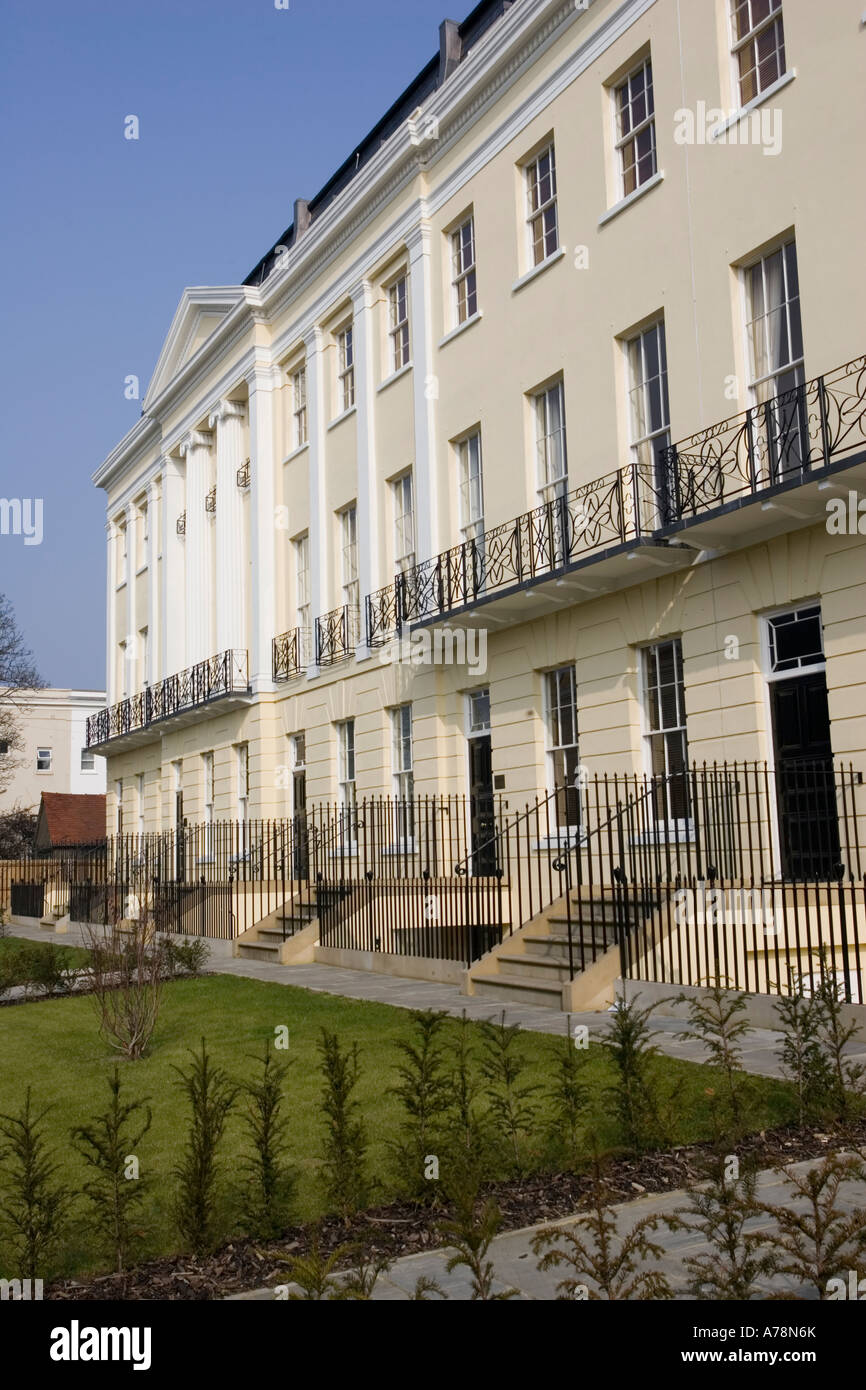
(127, 968)
(18, 676)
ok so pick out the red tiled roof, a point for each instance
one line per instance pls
(69, 819)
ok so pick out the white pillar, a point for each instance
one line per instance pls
(426, 391)
(262, 382)
(173, 577)
(317, 411)
(132, 677)
(196, 450)
(111, 541)
(228, 419)
(155, 532)
(367, 500)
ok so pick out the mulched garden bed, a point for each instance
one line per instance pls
(404, 1229)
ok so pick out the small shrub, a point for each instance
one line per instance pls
(184, 958)
(35, 1207)
(470, 1232)
(636, 1093)
(344, 1161)
(802, 1057)
(211, 1098)
(423, 1092)
(49, 969)
(568, 1098)
(815, 1241)
(269, 1188)
(719, 1210)
(108, 1146)
(511, 1106)
(715, 1019)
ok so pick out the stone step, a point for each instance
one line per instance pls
(555, 946)
(544, 969)
(259, 950)
(514, 991)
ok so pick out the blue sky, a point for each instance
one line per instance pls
(242, 109)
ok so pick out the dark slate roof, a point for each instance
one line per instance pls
(474, 26)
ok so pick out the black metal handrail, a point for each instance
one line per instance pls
(224, 674)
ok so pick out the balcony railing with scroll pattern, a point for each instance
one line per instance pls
(224, 674)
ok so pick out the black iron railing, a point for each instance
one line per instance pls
(287, 655)
(792, 437)
(787, 439)
(244, 475)
(337, 635)
(210, 500)
(224, 674)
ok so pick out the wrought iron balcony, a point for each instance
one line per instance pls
(792, 440)
(210, 500)
(337, 635)
(245, 473)
(292, 654)
(789, 439)
(180, 527)
(219, 676)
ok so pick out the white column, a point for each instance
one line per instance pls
(317, 411)
(111, 541)
(173, 578)
(196, 450)
(155, 531)
(426, 391)
(262, 382)
(132, 676)
(228, 419)
(367, 500)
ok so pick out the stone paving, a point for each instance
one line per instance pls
(515, 1264)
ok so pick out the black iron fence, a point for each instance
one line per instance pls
(620, 860)
(224, 674)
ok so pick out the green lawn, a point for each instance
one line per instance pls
(55, 1048)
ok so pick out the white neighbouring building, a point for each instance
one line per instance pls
(54, 756)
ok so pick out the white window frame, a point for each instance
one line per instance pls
(551, 444)
(208, 799)
(346, 769)
(791, 673)
(464, 272)
(762, 384)
(539, 207)
(470, 486)
(749, 41)
(300, 420)
(627, 141)
(402, 753)
(118, 805)
(646, 441)
(242, 772)
(346, 367)
(303, 610)
(88, 760)
(46, 756)
(139, 803)
(349, 569)
(403, 494)
(682, 827)
(555, 747)
(398, 323)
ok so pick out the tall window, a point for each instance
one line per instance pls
(299, 407)
(350, 580)
(776, 357)
(398, 323)
(542, 216)
(562, 750)
(118, 806)
(550, 443)
(758, 45)
(665, 723)
(404, 777)
(636, 129)
(144, 657)
(207, 765)
(463, 274)
(43, 759)
(346, 765)
(242, 754)
(143, 536)
(404, 523)
(139, 802)
(650, 411)
(346, 367)
(302, 599)
(471, 485)
(124, 552)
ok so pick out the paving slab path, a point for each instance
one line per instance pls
(516, 1266)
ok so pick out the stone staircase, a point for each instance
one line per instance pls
(270, 940)
(532, 965)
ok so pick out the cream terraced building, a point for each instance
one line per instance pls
(447, 398)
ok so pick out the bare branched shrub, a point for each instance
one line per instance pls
(127, 969)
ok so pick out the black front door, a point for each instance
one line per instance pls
(301, 866)
(180, 838)
(481, 808)
(805, 781)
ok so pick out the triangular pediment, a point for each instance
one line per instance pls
(198, 316)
